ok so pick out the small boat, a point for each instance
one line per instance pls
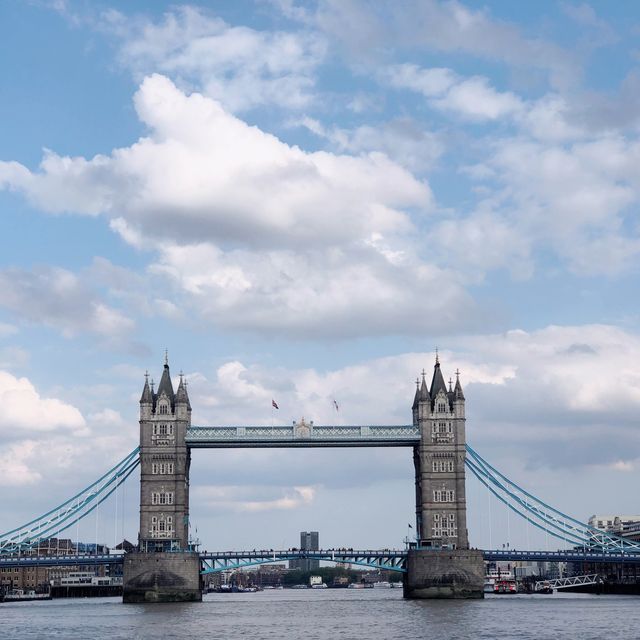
(20, 595)
(505, 586)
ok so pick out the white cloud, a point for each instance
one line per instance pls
(254, 499)
(59, 298)
(526, 392)
(369, 30)
(365, 290)
(403, 140)
(574, 199)
(25, 410)
(204, 174)
(476, 100)
(238, 66)
(471, 98)
(14, 463)
(251, 233)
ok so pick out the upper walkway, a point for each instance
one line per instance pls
(303, 435)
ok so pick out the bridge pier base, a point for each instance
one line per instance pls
(444, 574)
(161, 577)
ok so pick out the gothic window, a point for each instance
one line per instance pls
(450, 465)
(164, 409)
(162, 468)
(436, 517)
(162, 497)
(442, 406)
(442, 427)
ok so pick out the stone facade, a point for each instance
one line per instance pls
(162, 577)
(442, 566)
(439, 459)
(164, 466)
(435, 573)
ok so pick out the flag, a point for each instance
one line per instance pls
(273, 404)
(335, 404)
(410, 527)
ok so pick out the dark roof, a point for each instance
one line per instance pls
(181, 393)
(146, 396)
(424, 390)
(416, 398)
(437, 383)
(457, 392)
(165, 385)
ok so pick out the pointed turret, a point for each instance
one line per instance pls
(182, 397)
(165, 385)
(416, 398)
(457, 392)
(450, 393)
(437, 383)
(424, 390)
(147, 396)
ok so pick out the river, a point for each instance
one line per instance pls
(329, 614)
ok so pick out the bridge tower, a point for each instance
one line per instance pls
(441, 565)
(164, 466)
(164, 568)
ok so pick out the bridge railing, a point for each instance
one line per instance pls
(304, 435)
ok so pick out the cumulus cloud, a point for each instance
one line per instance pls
(432, 25)
(61, 299)
(471, 98)
(238, 66)
(576, 199)
(25, 410)
(254, 499)
(526, 392)
(14, 462)
(205, 174)
(252, 233)
(366, 290)
(404, 140)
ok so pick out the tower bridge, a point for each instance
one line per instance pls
(439, 564)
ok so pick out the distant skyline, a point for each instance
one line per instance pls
(301, 201)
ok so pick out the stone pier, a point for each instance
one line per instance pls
(457, 573)
(162, 577)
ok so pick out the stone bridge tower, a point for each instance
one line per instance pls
(441, 509)
(164, 466)
(164, 569)
(441, 565)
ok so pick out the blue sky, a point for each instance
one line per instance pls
(301, 201)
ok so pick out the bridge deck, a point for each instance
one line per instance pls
(369, 557)
(303, 435)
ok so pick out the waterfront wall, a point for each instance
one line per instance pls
(456, 573)
(162, 577)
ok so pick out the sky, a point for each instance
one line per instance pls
(301, 201)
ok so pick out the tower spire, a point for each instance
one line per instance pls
(147, 395)
(457, 392)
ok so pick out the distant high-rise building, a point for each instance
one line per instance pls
(309, 541)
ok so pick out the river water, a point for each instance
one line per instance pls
(329, 614)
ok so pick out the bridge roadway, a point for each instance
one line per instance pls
(389, 559)
(303, 435)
